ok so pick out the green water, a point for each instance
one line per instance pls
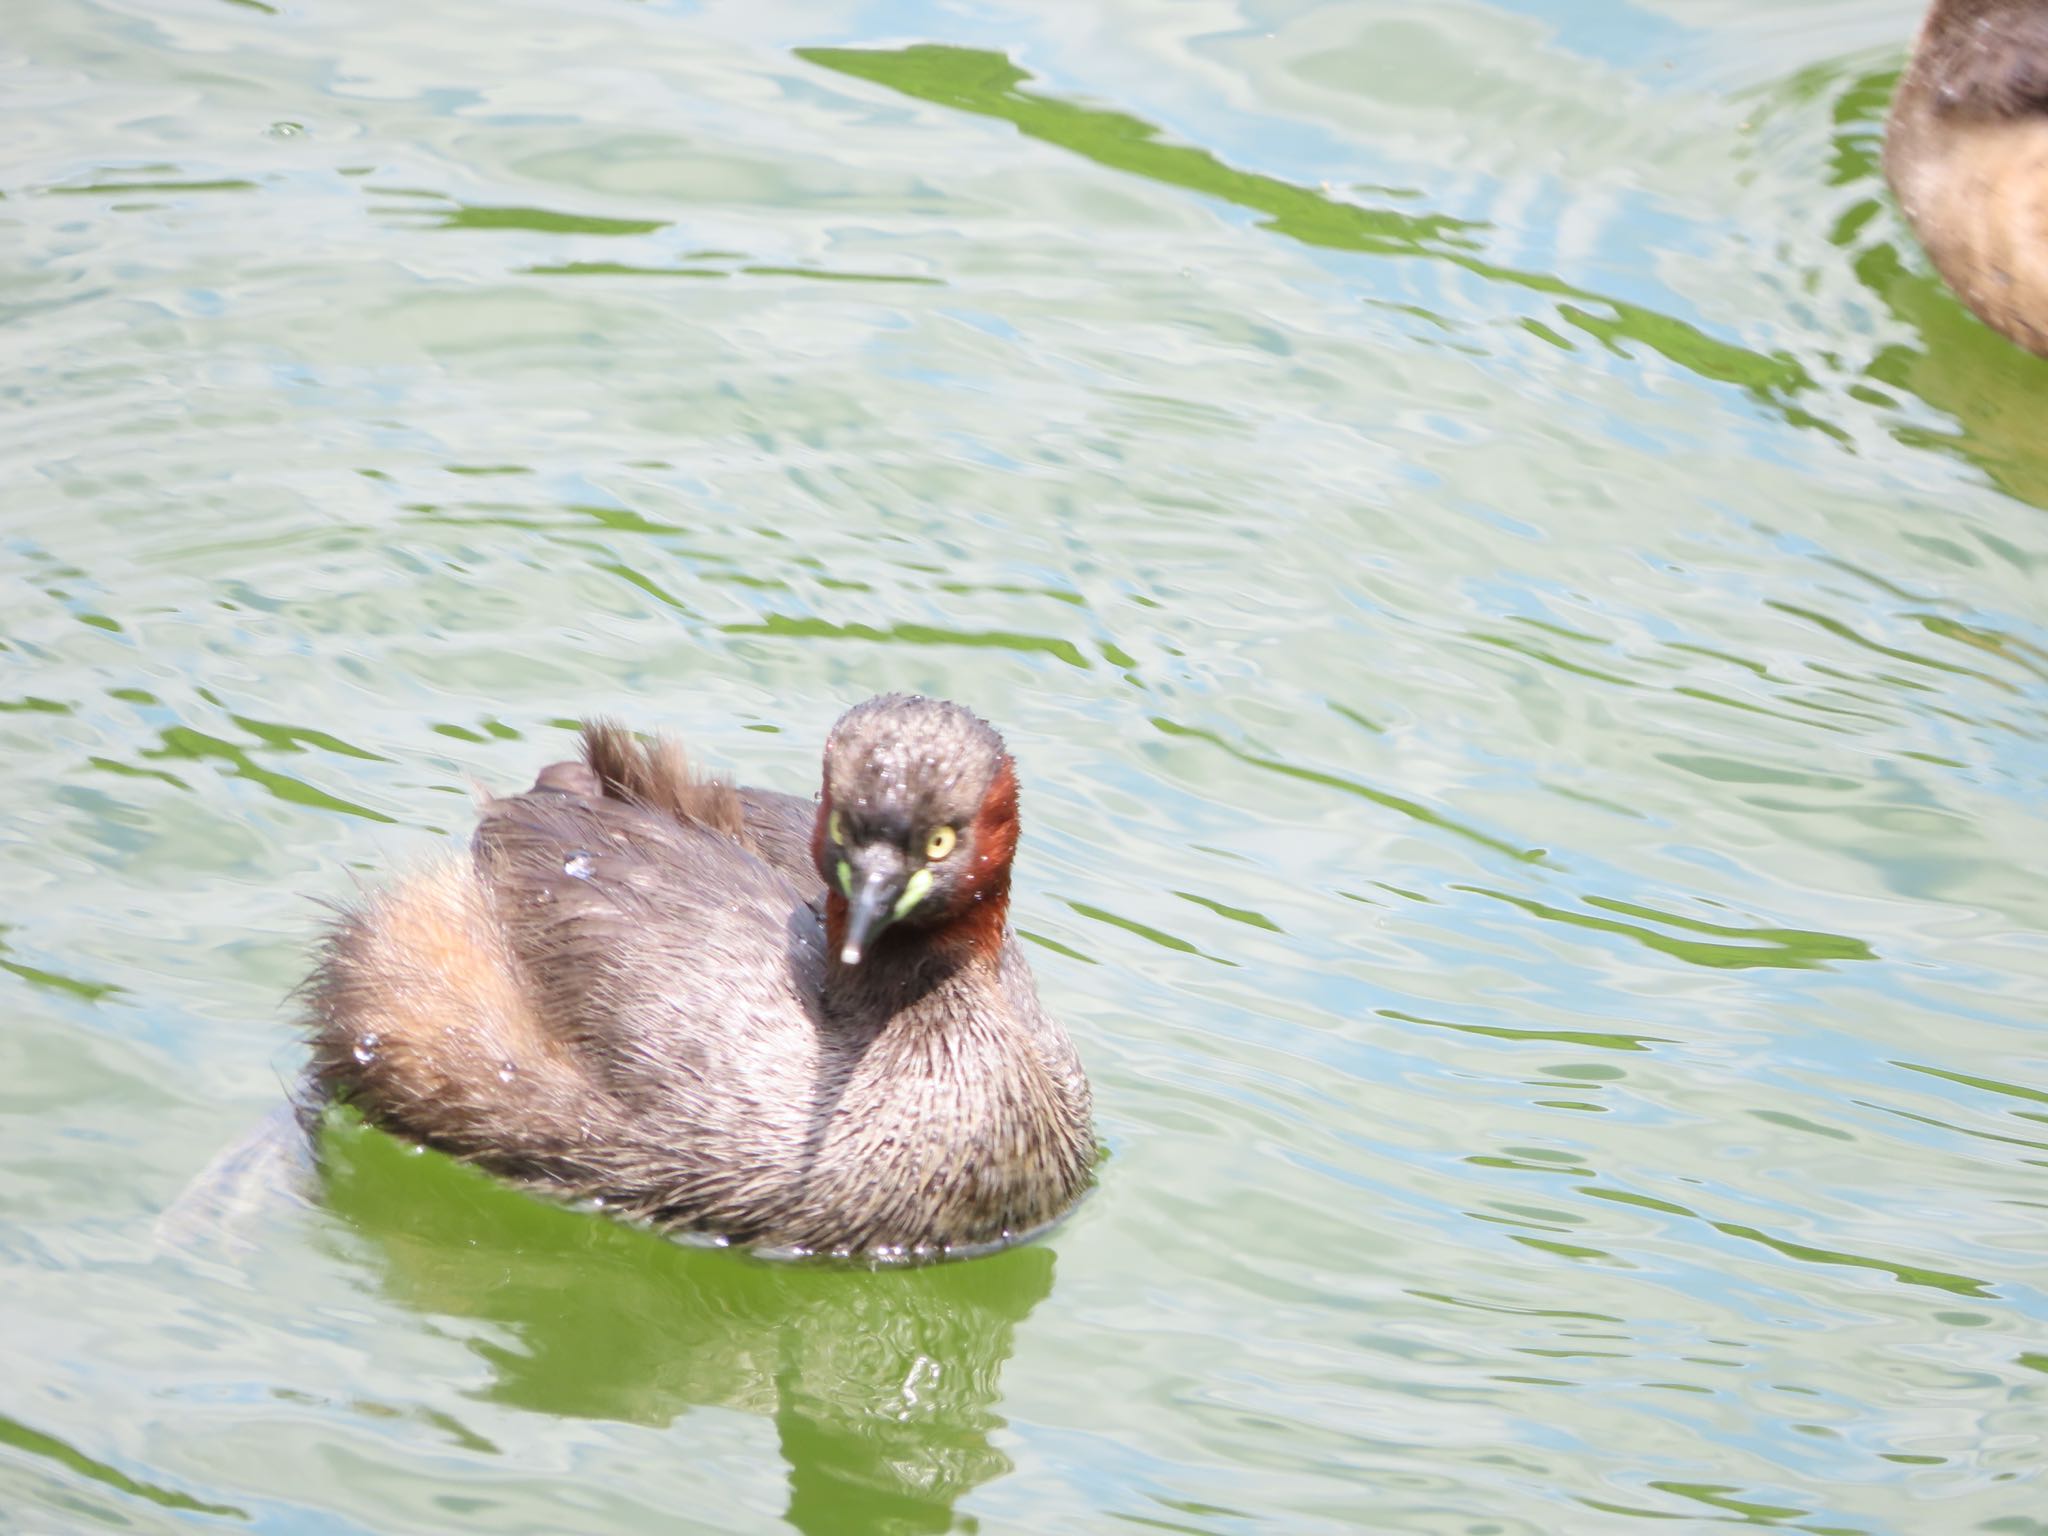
(1518, 602)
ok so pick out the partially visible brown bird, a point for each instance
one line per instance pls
(729, 1011)
(1966, 153)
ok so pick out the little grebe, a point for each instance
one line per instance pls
(728, 1011)
(1966, 153)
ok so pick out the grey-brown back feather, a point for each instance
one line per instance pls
(781, 826)
(1984, 58)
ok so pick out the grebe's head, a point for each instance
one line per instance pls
(917, 823)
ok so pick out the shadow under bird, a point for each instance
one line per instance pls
(801, 1025)
(1966, 153)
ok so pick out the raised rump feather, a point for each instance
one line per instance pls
(657, 774)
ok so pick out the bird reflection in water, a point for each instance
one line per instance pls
(882, 1384)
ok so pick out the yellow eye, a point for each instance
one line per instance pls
(836, 828)
(940, 843)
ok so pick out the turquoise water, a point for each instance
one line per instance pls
(1517, 599)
